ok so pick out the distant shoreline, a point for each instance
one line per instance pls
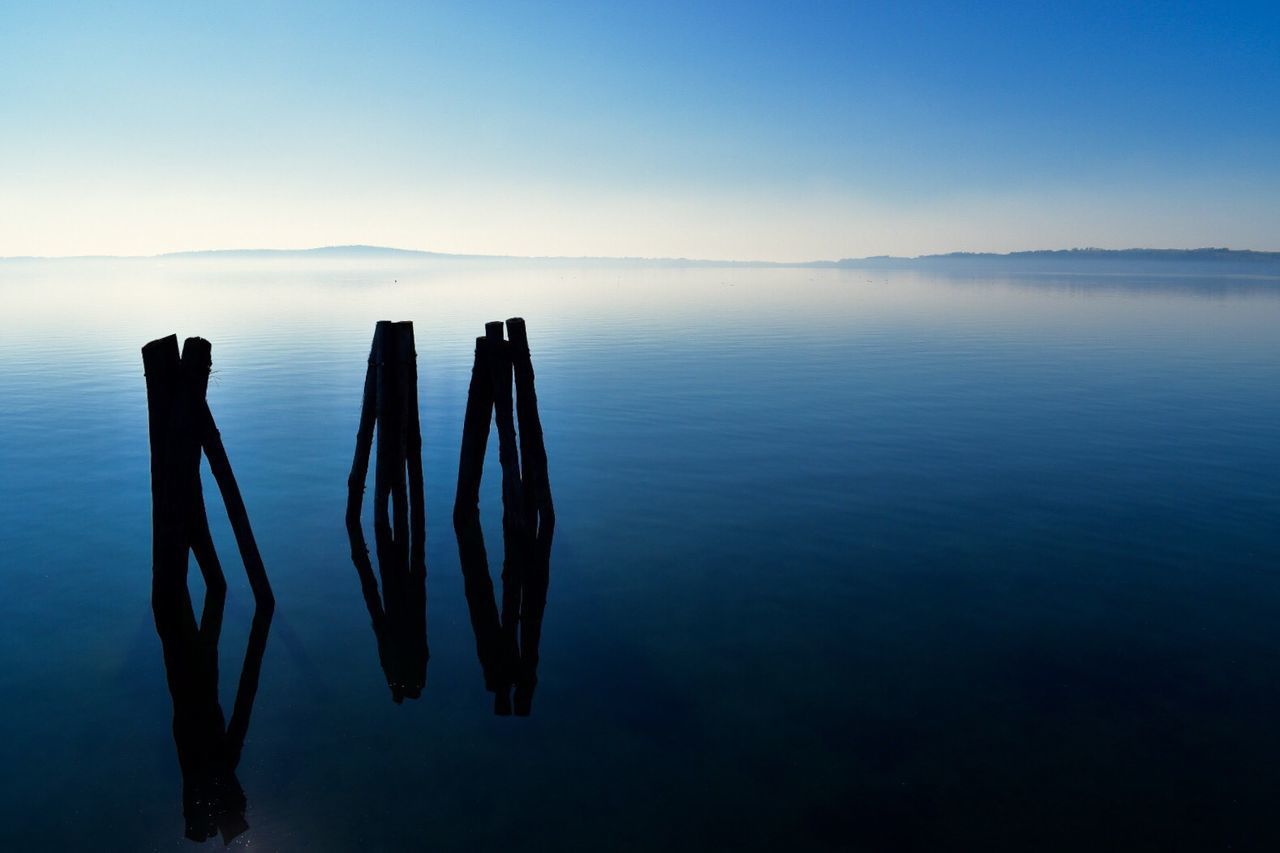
(1204, 260)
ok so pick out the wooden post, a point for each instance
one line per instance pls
(389, 409)
(513, 528)
(168, 504)
(364, 433)
(539, 517)
(190, 398)
(508, 645)
(389, 455)
(475, 438)
(499, 358)
(220, 465)
(533, 453)
(416, 580)
(180, 424)
(408, 353)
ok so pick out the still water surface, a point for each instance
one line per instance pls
(843, 560)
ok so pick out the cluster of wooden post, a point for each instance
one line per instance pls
(507, 643)
(390, 405)
(181, 426)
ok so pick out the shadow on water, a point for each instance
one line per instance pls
(208, 745)
(399, 611)
(507, 640)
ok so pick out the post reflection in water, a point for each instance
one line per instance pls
(181, 426)
(508, 654)
(399, 614)
(209, 747)
(507, 643)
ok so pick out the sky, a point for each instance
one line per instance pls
(786, 131)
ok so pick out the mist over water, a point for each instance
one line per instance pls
(844, 559)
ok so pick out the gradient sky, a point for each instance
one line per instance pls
(780, 131)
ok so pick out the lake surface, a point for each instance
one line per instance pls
(843, 559)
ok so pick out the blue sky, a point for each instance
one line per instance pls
(782, 131)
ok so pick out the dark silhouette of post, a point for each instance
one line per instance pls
(539, 515)
(475, 436)
(537, 487)
(506, 642)
(483, 610)
(514, 546)
(477, 585)
(208, 747)
(364, 433)
(389, 410)
(196, 364)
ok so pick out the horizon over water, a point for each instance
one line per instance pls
(844, 559)
(380, 253)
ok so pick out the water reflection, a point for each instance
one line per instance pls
(506, 642)
(208, 745)
(507, 646)
(1010, 480)
(399, 611)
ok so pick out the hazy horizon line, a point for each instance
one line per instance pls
(395, 250)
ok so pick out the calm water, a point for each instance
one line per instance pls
(843, 560)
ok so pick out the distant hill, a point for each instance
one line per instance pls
(320, 252)
(1191, 261)
(1186, 261)
(359, 252)
(1208, 261)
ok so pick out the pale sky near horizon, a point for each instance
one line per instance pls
(713, 130)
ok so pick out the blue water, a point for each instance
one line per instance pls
(844, 559)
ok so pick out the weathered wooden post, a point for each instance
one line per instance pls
(196, 364)
(507, 645)
(477, 585)
(475, 437)
(499, 358)
(533, 454)
(390, 410)
(513, 529)
(539, 516)
(407, 351)
(364, 432)
(180, 426)
(175, 467)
